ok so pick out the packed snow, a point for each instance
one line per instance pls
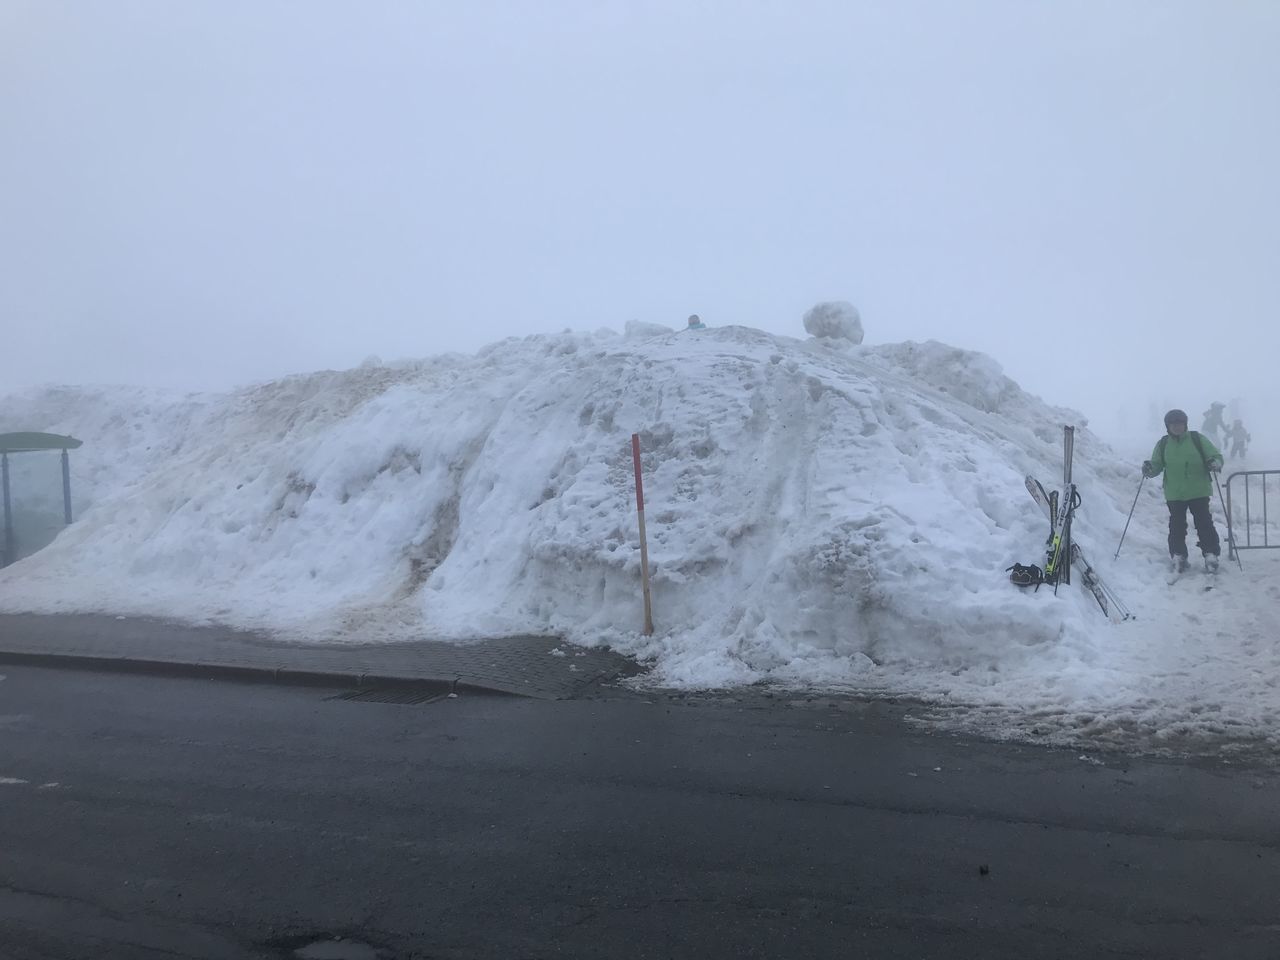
(821, 514)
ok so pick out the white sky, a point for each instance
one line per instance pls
(827, 516)
(208, 193)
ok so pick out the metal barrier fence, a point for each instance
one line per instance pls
(1257, 519)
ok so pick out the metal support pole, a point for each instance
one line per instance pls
(66, 486)
(8, 514)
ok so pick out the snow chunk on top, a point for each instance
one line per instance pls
(639, 329)
(834, 318)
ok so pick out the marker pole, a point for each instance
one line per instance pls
(644, 547)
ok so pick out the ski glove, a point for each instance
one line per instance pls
(1148, 468)
(1214, 464)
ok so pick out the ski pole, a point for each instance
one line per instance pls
(1231, 539)
(1130, 517)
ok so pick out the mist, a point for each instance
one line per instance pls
(198, 196)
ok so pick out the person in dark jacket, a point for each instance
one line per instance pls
(1213, 425)
(1186, 458)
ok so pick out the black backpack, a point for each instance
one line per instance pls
(1025, 575)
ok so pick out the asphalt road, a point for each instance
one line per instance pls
(150, 817)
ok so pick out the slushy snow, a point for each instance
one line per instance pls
(821, 515)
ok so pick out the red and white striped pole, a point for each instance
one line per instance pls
(644, 547)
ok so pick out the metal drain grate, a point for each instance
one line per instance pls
(410, 695)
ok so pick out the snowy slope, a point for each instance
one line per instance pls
(818, 514)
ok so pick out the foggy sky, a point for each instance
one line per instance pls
(208, 193)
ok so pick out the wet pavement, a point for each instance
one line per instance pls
(157, 818)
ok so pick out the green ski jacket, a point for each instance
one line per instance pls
(1186, 476)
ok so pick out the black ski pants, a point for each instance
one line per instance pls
(1199, 507)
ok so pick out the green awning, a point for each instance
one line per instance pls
(28, 442)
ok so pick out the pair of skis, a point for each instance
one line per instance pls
(1057, 565)
(1112, 606)
(1059, 513)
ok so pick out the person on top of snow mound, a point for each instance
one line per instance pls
(1186, 458)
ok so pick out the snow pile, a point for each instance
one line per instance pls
(817, 515)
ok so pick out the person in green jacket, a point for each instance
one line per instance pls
(1186, 458)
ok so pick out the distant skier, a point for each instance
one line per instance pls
(695, 323)
(1186, 459)
(1239, 439)
(1214, 426)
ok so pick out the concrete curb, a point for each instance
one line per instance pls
(541, 667)
(286, 676)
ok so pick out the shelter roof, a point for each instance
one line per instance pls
(28, 442)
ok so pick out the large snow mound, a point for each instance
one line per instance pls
(817, 514)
